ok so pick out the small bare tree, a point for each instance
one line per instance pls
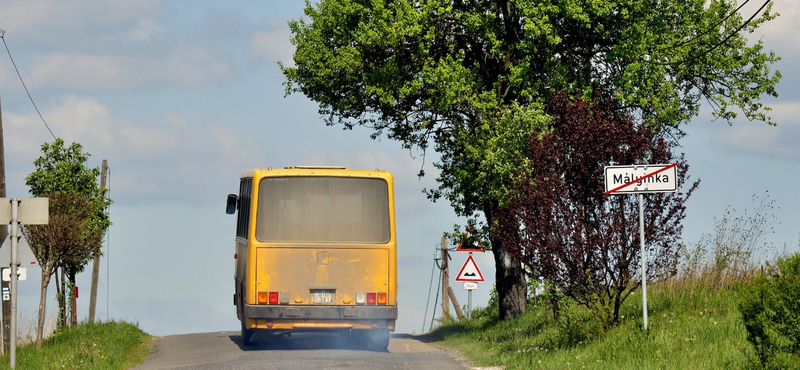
(66, 238)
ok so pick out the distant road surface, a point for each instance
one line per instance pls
(301, 351)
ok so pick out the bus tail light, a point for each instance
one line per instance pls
(372, 298)
(273, 297)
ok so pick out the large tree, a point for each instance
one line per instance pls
(78, 215)
(583, 242)
(458, 73)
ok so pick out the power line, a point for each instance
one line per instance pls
(436, 300)
(736, 32)
(427, 304)
(731, 35)
(2, 36)
(709, 29)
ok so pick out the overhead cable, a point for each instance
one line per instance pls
(2, 36)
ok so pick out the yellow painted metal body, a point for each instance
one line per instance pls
(295, 270)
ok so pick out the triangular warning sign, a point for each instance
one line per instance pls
(25, 255)
(470, 245)
(470, 272)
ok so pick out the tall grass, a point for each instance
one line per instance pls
(694, 322)
(27, 324)
(107, 345)
(690, 327)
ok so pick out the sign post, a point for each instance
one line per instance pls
(658, 178)
(470, 275)
(17, 211)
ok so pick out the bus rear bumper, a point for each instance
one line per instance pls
(321, 312)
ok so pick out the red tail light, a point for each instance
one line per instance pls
(371, 298)
(273, 297)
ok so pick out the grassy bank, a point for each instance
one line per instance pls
(108, 345)
(693, 324)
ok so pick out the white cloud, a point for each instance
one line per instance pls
(42, 16)
(758, 138)
(146, 30)
(189, 66)
(783, 31)
(173, 159)
(273, 45)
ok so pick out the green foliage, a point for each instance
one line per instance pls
(475, 78)
(106, 345)
(693, 325)
(472, 77)
(78, 213)
(63, 169)
(770, 308)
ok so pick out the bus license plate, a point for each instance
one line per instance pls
(322, 297)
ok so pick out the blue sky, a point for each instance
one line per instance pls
(181, 97)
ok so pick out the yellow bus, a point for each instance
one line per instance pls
(316, 250)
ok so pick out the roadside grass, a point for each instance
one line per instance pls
(106, 345)
(693, 324)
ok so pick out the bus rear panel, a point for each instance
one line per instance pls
(316, 251)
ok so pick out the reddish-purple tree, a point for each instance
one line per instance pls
(585, 243)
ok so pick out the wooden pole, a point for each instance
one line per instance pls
(455, 302)
(3, 236)
(96, 263)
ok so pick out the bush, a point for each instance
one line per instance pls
(770, 308)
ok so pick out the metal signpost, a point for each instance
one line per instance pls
(654, 178)
(18, 211)
(470, 275)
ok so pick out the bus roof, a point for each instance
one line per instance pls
(315, 171)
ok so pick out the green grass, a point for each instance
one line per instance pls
(692, 325)
(107, 345)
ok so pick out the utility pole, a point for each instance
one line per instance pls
(455, 302)
(445, 279)
(3, 236)
(96, 264)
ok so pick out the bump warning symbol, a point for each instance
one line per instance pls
(470, 272)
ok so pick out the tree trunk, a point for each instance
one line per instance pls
(42, 307)
(62, 303)
(512, 289)
(73, 300)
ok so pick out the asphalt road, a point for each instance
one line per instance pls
(223, 350)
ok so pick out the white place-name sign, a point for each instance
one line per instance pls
(652, 178)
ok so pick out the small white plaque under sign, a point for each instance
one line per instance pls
(22, 274)
(470, 286)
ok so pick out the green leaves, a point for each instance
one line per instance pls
(61, 174)
(439, 71)
(769, 310)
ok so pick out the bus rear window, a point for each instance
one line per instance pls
(323, 210)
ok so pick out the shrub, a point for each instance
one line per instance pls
(770, 308)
